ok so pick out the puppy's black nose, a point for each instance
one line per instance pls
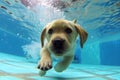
(58, 43)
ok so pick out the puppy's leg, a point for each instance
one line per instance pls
(45, 62)
(61, 66)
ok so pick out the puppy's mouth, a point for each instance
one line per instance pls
(58, 49)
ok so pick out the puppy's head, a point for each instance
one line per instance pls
(61, 35)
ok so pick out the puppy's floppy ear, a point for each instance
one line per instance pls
(43, 36)
(82, 33)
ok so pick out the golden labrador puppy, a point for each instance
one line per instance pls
(61, 40)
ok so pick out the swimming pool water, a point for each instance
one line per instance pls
(21, 23)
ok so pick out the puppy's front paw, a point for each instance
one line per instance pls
(45, 64)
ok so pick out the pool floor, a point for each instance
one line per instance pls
(18, 68)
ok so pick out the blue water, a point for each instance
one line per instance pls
(21, 23)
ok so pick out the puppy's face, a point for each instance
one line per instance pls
(61, 36)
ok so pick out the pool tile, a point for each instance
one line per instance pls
(42, 78)
(9, 78)
(97, 78)
(15, 69)
(68, 74)
(101, 72)
(115, 76)
(16, 66)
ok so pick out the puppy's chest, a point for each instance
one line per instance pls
(56, 58)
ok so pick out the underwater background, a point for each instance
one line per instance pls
(21, 23)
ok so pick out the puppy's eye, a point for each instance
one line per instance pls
(68, 30)
(50, 31)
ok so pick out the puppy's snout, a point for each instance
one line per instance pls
(58, 42)
(58, 45)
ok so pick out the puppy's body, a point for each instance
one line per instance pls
(61, 35)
